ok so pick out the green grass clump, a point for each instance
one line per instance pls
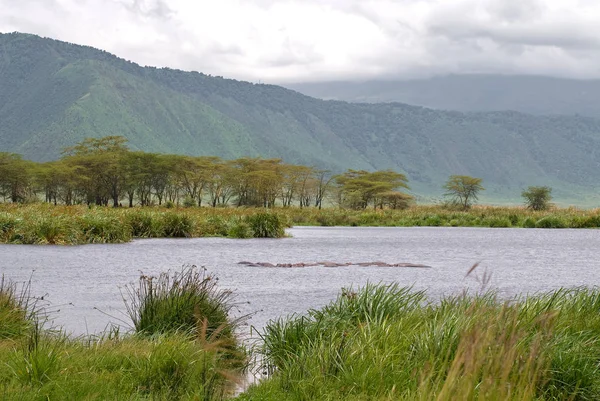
(181, 302)
(144, 224)
(100, 228)
(266, 225)
(16, 310)
(240, 228)
(177, 225)
(550, 222)
(49, 224)
(386, 342)
(186, 350)
(213, 226)
(163, 367)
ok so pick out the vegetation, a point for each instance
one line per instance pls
(537, 198)
(200, 363)
(67, 225)
(55, 94)
(386, 342)
(380, 342)
(463, 190)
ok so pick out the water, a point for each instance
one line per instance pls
(82, 283)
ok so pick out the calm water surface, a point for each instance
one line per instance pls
(84, 282)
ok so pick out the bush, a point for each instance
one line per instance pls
(529, 223)
(189, 202)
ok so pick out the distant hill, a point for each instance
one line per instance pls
(527, 94)
(54, 94)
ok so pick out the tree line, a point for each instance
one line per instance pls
(103, 171)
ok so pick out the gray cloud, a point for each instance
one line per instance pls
(309, 40)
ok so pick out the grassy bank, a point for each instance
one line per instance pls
(47, 224)
(381, 342)
(183, 347)
(389, 343)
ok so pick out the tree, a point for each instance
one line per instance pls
(358, 188)
(463, 189)
(537, 198)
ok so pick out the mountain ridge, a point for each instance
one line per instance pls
(532, 94)
(54, 94)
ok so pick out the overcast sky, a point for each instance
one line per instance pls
(311, 40)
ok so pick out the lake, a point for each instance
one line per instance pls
(82, 284)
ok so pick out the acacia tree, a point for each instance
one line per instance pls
(463, 189)
(102, 162)
(358, 188)
(15, 177)
(537, 198)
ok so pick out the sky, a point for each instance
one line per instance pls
(290, 41)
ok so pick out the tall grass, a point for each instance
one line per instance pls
(47, 224)
(182, 301)
(18, 309)
(387, 342)
(185, 347)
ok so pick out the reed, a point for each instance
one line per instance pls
(386, 342)
(48, 224)
(185, 347)
(17, 309)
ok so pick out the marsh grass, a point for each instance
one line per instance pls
(386, 342)
(48, 224)
(193, 358)
(185, 301)
(18, 309)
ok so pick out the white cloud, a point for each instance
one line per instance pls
(307, 40)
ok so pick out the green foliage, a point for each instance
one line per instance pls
(386, 342)
(17, 313)
(537, 198)
(56, 94)
(177, 225)
(463, 190)
(181, 302)
(240, 228)
(550, 222)
(266, 225)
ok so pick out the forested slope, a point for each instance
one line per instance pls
(54, 94)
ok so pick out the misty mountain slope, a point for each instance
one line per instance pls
(54, 94)
(528, 94)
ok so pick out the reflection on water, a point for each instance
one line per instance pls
(84, 281)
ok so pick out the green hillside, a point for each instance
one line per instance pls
(54, 94)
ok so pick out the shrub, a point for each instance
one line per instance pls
(189, 202)
(529, 223)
